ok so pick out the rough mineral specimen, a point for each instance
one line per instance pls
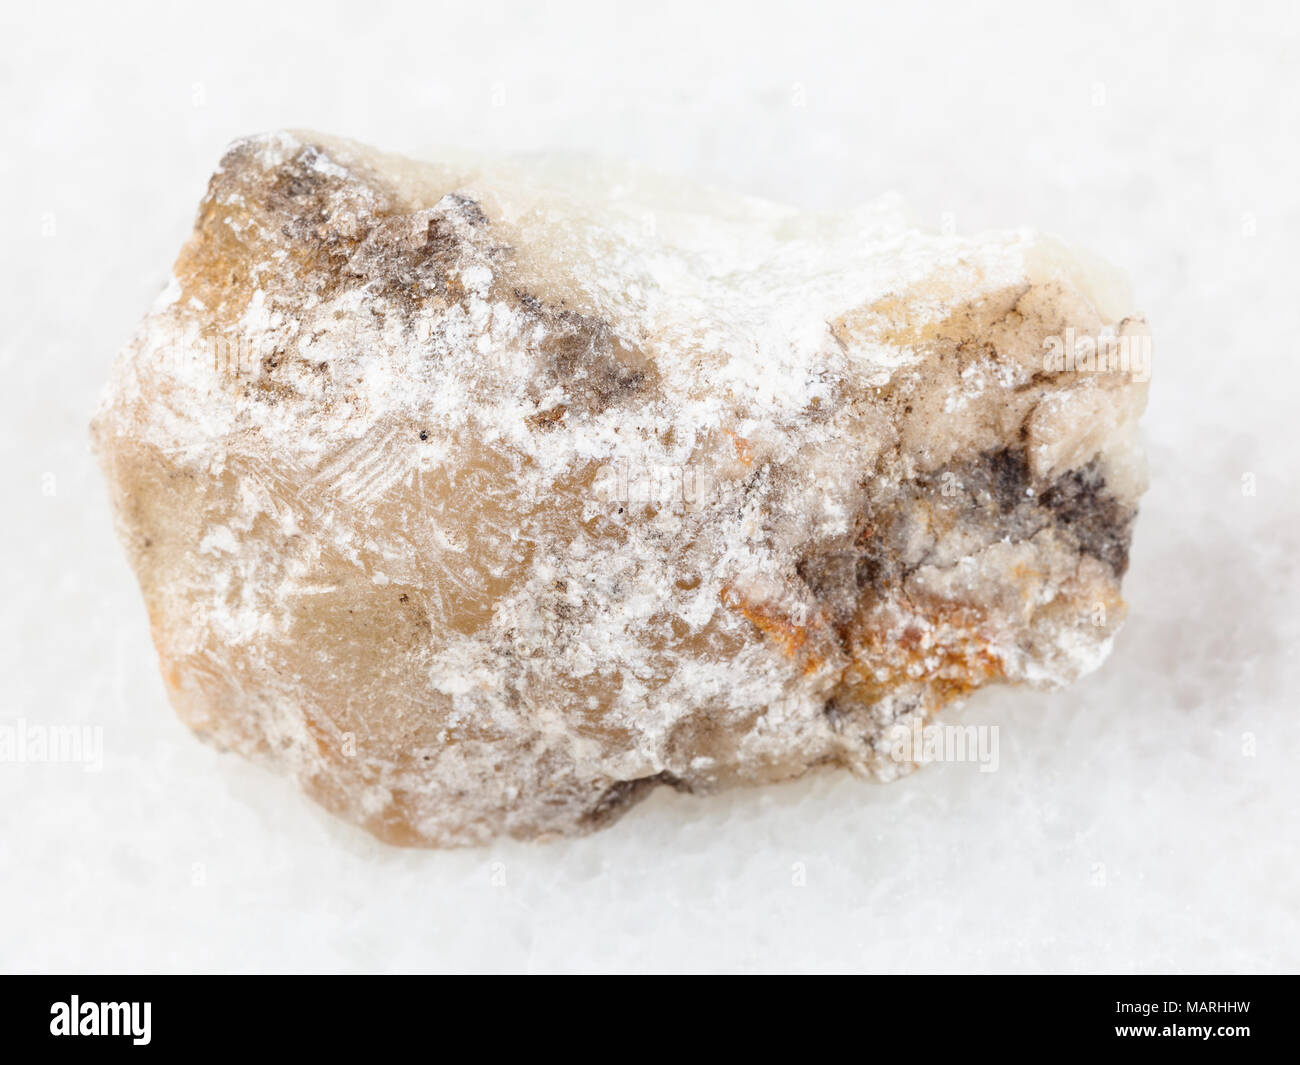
(484, 499)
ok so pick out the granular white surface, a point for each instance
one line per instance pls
(1146, 819)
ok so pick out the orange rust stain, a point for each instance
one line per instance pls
(940, 645)
(172, 677)
(324, 747)
(791, 637)
(744, 449)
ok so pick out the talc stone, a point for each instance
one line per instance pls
(483, 498)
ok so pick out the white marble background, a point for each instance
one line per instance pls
(1129, 827)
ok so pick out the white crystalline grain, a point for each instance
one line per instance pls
(482, 500)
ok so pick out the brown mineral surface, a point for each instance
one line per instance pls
(484, 498)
